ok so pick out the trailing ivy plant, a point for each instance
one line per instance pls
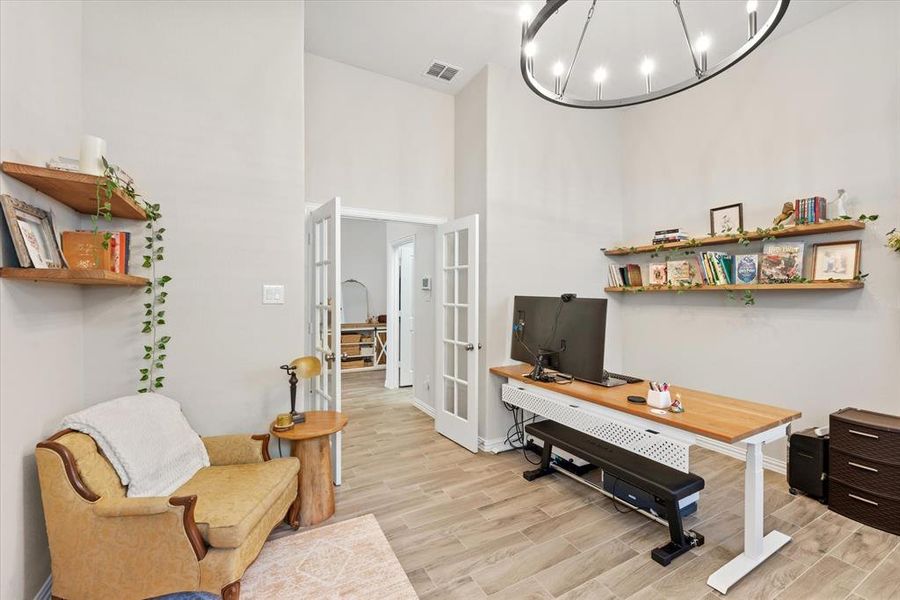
(154, 315)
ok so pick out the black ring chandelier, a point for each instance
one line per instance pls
(698, 50)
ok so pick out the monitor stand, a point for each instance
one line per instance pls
(612, 382)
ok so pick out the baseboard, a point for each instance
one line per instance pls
(772, 464)
(44, 592)
(494, 446)
(424, 407)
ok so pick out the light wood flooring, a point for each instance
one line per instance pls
(469, 526)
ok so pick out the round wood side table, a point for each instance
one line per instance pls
(310, 443)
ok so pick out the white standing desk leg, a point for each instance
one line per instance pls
(757, 547)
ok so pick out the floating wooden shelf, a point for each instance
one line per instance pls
(754, 287)
(73, 276)
(719, 240)
(76, 190)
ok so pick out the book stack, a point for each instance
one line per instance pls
(665, 236)
(625, 276)
(809, 210)
(84, 250)
(716, 268)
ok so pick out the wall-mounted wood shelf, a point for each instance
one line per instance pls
(76, 190)
(720, 240)
(754, 287)
(73, 276)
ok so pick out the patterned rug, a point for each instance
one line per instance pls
(348, 560)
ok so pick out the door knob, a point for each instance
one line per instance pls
(470, 346)
(329, 357)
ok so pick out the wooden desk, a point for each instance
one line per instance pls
(309, 443)
(721, 418)
(709, 415)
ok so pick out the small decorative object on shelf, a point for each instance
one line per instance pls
(91, 160)
(676, 404)
(726, 219)
(836, 261)
(33, 235)
(837, 208)
(787, 210)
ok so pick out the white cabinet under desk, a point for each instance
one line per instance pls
(666, 437)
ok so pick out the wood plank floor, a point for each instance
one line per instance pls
(468, 526)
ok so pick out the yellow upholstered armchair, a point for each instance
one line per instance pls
(202, 538)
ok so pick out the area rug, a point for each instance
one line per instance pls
(348, 560)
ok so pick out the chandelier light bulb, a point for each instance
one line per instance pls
(600, 75)
(525, 13)
(558, 69)
(530, 49)
(647, 66)
(703, 43)
(752, 5)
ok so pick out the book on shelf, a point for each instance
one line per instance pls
(810, 210)
(716, 268)
(625, 276)
(62, 163)
(780, 262)
(682, 272)
(746, 268)
(658, 274)
(84, 250)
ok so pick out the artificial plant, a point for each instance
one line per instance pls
(154, 317)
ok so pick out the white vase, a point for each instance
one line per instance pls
(93, 149)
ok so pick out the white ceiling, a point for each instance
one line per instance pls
(400, 38)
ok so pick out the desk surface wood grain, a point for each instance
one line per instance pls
(718, 417)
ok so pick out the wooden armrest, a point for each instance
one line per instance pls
(238, 449)
(144, 507)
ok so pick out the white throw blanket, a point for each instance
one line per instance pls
(147, 439)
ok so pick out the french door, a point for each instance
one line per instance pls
(323, 252)
(456, 287)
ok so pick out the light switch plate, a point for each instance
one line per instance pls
(273, 294)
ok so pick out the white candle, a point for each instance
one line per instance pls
(92, 150)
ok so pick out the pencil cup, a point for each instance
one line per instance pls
(658, 399)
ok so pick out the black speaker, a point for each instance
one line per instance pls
(807, 469)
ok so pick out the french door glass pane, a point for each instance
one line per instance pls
(462, 404)
(448, 396)
(448, 359)
(462, 362)
(450, 286)
(450, 249)
(463, 242)
(449, 324)
(462, 319)
(462, 293)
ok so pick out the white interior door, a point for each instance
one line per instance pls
(324, 299)
(406, 325)
(456, 387)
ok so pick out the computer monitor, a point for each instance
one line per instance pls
(569, 335)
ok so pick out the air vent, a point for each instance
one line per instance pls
(441, 70)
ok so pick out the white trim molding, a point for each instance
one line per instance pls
(382, 215)
(738, 452)
(46, 589)
(424, 407)
(494, 446)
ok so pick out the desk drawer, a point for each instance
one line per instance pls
(637, 438)
(877, 477)
(864, 441)
(881, 512)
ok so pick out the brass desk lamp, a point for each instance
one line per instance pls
(306, 367)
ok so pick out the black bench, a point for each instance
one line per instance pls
(667, 484)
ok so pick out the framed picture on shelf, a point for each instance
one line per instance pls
(32, 233)
(726, 219)
(836, 261)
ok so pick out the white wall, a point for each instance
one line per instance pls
(470, 175)
(41, 360)
(554, 199)
(203, 104)
(423, 307)
(377, 142)
(361, 259)
(807, 113)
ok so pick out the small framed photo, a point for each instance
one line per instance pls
(836, 261)
(726, 219)
(33, 235)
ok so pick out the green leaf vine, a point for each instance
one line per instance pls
(154, 356)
